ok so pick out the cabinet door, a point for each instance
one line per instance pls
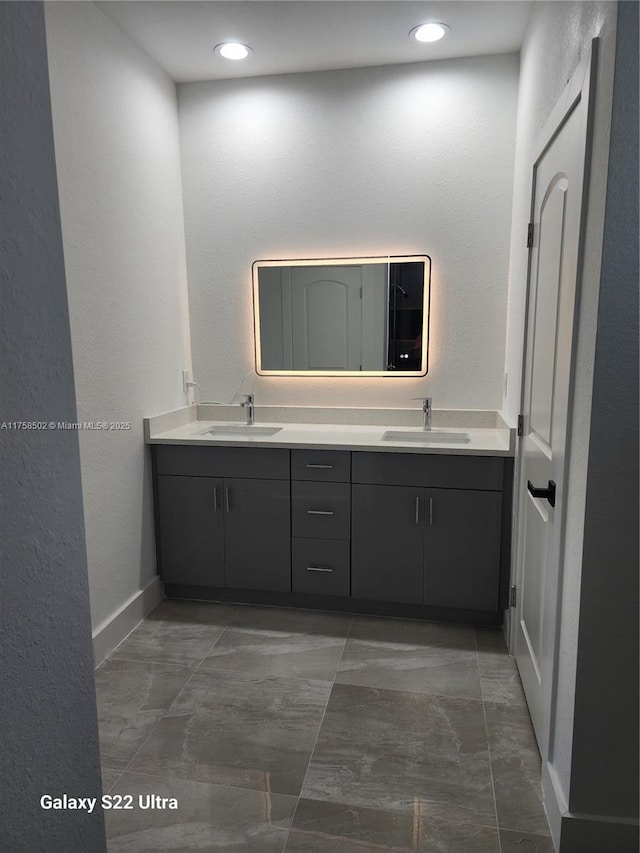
(257, 534)
(387, 543)
(191, 530)
(462, 548)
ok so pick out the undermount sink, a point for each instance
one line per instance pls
(432, 436)
(242, 430)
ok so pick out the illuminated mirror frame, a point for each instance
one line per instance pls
(316, 262)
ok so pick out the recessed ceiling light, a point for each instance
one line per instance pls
(233, 50)
(429, 32)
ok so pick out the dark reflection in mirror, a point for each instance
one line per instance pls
(404, 315)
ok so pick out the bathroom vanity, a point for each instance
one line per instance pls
(341, 522)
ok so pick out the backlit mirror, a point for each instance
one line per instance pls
(342, 316)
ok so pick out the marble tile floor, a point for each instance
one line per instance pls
(288, 731)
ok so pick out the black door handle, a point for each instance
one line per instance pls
(549, 493)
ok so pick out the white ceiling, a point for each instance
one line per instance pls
(311, 35)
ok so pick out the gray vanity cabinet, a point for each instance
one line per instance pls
(231, 530)
(425, 535)
(321, 522)
(462, 537)
(257, 534)
(386, 543)
(415, 544)
(191, 530)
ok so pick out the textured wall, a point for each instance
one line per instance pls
(558, 34)
(47, 705)
(604, 779)
(116, 137)
(412, 158)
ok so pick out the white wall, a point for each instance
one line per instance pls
(48, 708)
(558, 35)
(116, 139)
(401, 159)
(556, 38)
(604, 759)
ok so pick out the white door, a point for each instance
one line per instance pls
(327, 317)
(557, 204)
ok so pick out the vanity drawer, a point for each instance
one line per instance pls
(423, 469)
(321, 566)
(258, 463)
(321, 510)
(321, 465)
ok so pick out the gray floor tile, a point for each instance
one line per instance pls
(515, 763)
(321, 826)
(413, 632)
(179, 632)
(401, 762)
(238, 729)
(132, 696)
(388, 750)
(440, 837)
(290, 621)
(303, 842)
(319, 823)
(525, 842)
(498, 671)
(273, 652)
(208, 818)
(419, 657)
(109, 778)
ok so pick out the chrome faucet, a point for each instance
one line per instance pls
(247, 404)
(426, 411)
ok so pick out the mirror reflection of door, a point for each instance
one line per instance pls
(326, 315)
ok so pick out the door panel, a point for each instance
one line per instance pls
(257, 534)
(327, 318)
(532, 592)
(387, 543)
(557, 200)
(551, 233)
(462, 549)
(191, 529)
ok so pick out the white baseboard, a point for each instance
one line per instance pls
(113, 630)
(554, 801)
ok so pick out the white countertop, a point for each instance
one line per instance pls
(483, 441)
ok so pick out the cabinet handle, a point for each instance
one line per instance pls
(319, 512)
(418, 510)
(319, 569)
(430, 510)
(319, 466)
(215, 499)
(227, 499)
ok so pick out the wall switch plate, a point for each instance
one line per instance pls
(186, 379)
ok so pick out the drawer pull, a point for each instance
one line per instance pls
(319, 466)
(319, 569)
(320, 512)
